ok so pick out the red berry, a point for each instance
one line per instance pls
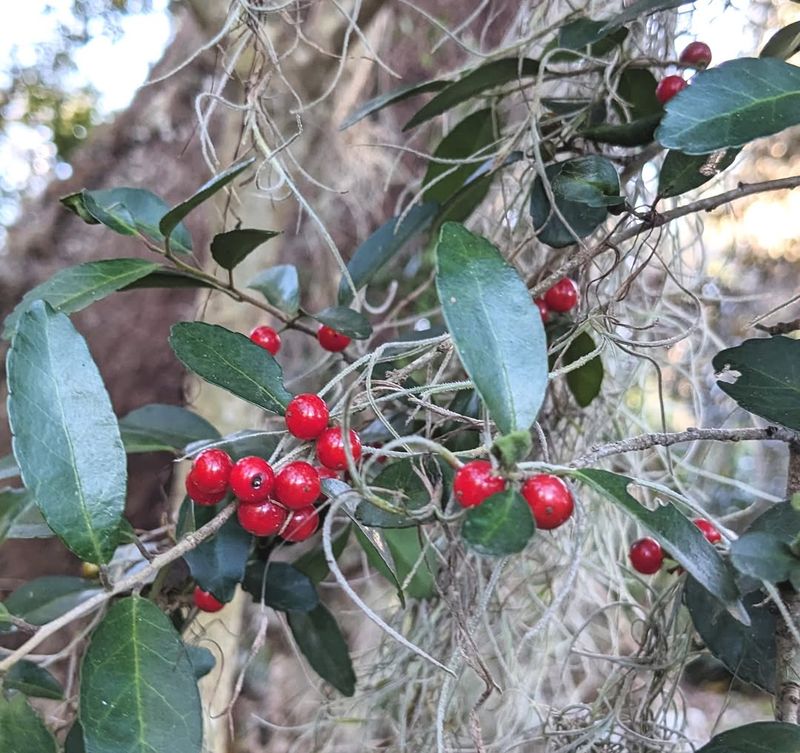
(646, 556)
(668, 87)
(475, 482)
(330, 448)
(709, 531)
(544, 310)
(696, 54)
(211, 470)
(199, 496)
(550, 500)
(205, 601)
(297, 485)
(267, 338)
(302, 524)
(252, 479)
(563, 296)
(332, 340)
(264, 519)
(306, 416)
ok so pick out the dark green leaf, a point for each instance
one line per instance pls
(637, 86)
(402, 485)
(585, 36)
(313, 563)
(783, 43)
(232, 248)
(641, 9)
(636, 133)
(763, 556)
(759, 737)
(464, 202)
(377, 250)
(74, 288)
(164, 277)
(487, 76)
(512, 448)
(74, 741)
(157, 427)
(231, 361)
(496, 328)
(677, 534)
(21, 729)
(320, 640)
(138, 688)
(390, 98)
(66, 438)
(280, 586)
(407, 554)
(584, 383)
(781, 520)
(241, 444)
(683, 172)
(171, 219)
(280, 286)
(33, 680)
(732, 104)
(8, 468)
(128, 211)
(501, 525)
(769, 378)
(380, 557)
(202, 660)
(591, 180)
(346, 321)
(44, 599)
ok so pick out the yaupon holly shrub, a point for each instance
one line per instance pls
(428, 453)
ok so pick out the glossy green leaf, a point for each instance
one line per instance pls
(781, 520)
(783, 43)
(240, 444)
(585, 382)
(400, 483)
(680, 537)
(313, 563)
(128, 211)
(280, 286)
(74, 741)
(496, 328)
(74, 288)
(156, 427)
(759, 737)
(732, 104)
(409, 556)
(138, 689)
(464, 202)
(642, 9)
(44, 599)
(65, 435)
(8, 468)
(636, 133)
(231, 361)
(684, 172)
(591, 180)
(164, 277)
(763, 556)
(203, 660)
(280, 586)
(171, 219)
(637, 86)
(377, 250)
(380, 557)
(390, 98)
(320, 640)
(585, 36)
(21, 729)
(501, 525)
(768, 381)
(232, 248)
(345, 320)
(487, 76)
(33, 680)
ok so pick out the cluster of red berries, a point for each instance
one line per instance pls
(562, 297)
(328, 338)
(696, 55)
(548, 496)
(647, 555)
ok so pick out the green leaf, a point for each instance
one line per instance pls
(232, 248)
(732, 104)
(74, 288)
(585, 36)
(487, 76)
(74, 741)
(202, 660)
(44, 599)
(21, 729)
(584, 383)
(26, 522)
(496, 328)
(783, 43)
(138, 689)
(769, 378)
(128, 211)
(8, 468)
(591, 180)
(240, 444)
(467, 140)
(675, 532)
(407, 553)
(402, 483)
(683, 172)
(280, 586)
(14, 503)
(501, 525)
(781, 520)
(641, 9)
(320, 640)
(231, 361)
(464, 202)
(380, 557)
(636, 133)
(33, 680)
(377, 250)
(759, 737)
(171, 219)
(66, 438)
(157, 427)
(513, 448)
(280, 286)
(313, 563)
(637, 86)
(346, 321)
(764, 556)
(390, 98)
(164, 277)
